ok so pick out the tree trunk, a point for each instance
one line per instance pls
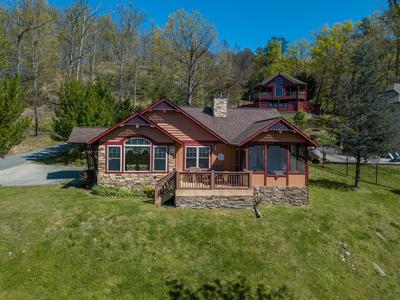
(135, 85)
(357, 178)
(121, 76)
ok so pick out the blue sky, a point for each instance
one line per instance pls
(250, 23)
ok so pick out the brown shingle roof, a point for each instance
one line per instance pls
(238, 123)
(82, 135)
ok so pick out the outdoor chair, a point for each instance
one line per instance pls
(397, 156)
(392, 159)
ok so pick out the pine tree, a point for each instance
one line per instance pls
(90, 104)
(369, 126)
(12, 105)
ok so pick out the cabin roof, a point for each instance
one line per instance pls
(237, 119)
(82, 135)
(284, 75)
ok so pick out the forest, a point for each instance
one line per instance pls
(130, 62)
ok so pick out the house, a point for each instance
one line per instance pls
(282, 92)
(392, 94)
(203, 157)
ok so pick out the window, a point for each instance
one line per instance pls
(277, 157)
(279, 87)
(288, 91)
(137, 155)
(297, 159)
(256, 158)
(198, 157)
(114, 159)
(160, 159)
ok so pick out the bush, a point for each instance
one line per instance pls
(108, 191)
(149, 191)
(219, 289)
(299, 119)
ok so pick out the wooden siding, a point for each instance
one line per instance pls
(298, 180)
(154, 134)
(230, 161)
(180, 126)
(258, 179)
(276, 181)
(276, 137)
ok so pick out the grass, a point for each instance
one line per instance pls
(64, 243)
(31, 142)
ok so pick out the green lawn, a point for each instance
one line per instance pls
(66, 244)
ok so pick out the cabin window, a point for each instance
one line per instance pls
(137, 155)
(288, 91)
(198, 157)
(279, 87)
(160, 159)
(256, 158)
(276, 160)
(297, 159)
(114, 158)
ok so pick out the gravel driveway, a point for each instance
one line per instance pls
(23, 169)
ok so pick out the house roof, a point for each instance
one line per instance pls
(82, 135)
(240, 125)
(284, 75)
(238, 120)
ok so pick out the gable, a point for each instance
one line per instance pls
(180, 126)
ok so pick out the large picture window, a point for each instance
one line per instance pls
(297, 159)
(137, 155)
(277, 160)
(256, 158)
(114, 159)
(160, 159)
(279, 87)
(197, 157)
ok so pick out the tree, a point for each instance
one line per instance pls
(127, 37)
(369, 125)
(12, 124)
(24, 21)
(90, 104)
(192, 40)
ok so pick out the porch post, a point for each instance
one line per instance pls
(212, 179)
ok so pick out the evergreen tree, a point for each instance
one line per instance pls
(12, 105)
(90, 104)
(369, 126)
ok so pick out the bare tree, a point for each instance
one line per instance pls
(192, 41)
(127, 37)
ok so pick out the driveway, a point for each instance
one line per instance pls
(24, 169)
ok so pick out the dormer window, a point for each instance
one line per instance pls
(278, 87)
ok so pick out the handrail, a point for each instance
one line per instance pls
(214, 180)
(167, 184)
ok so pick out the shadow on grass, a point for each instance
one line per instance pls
(331, 184)
(397, 192)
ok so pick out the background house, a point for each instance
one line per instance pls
(282, 92)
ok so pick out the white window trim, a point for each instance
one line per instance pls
(120, 157)
(129, 146)
(197, 156)
(166, 159)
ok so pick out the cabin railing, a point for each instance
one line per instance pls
(213, 180)
(165, 187)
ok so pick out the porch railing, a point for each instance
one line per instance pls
(213, 180)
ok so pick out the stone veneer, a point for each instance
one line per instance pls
(214, 202)
(293, 196)
(220, 107)
(129, 180)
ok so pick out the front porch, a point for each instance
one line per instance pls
(223, 189)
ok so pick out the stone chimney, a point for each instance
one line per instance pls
(220, 106)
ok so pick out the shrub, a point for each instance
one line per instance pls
(149, 191)
(299, 119)
(220, 289)
(108, 191)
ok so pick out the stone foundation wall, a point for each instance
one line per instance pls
(214, 202)
(293, 196)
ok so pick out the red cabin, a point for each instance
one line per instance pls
(282, 92)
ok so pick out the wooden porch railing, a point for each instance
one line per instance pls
(165, 188)
(213, 180)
